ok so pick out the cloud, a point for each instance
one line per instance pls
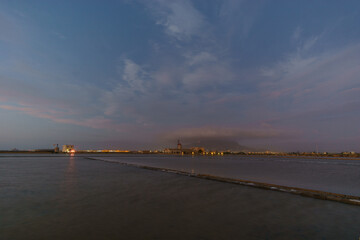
(208, 77)
(59, 35)
(201, 70)
(138, 98)
(40, 91)
(305, 44)
(133, 84)
(233, 133)
(314, 92)
(134, 76)
(200, 58)
(95, 122)
(150, 96)
(37, 93)
(309, 43)
(330, 71)
(297, 33)
(243, 13)
(179, 18)
(10, 29)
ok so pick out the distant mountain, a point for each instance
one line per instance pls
(220, 145)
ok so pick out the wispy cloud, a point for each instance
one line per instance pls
(325, 74)
(243, 12)
(134, 76)
(297, 33)
(199, 69)
(153, 94)
(180, 18)
(10, 28)
(96, 122)
(59, 35)
(200, 58)
(48, 98)
(317, 93)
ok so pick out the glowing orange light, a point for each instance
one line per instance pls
(72, 151)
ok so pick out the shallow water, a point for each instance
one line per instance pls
(75, 198)
(330, 175)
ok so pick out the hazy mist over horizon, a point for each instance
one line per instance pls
(130, 74)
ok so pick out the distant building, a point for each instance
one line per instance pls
(56, 149)
(179, 146)
(180, 150)
(68, 148)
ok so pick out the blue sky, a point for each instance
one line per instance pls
(282, 75)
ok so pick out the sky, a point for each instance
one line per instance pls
(128, 74)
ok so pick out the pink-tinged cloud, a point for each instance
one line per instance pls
(92, 122)
(351, 91)
(278, 93)
(213, 132)
(229, 99)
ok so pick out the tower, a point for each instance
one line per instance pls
(179, 145)
(56, 149)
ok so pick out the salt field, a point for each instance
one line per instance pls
(340, 176)
(63, 197)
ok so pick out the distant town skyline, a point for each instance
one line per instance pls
(130, 74)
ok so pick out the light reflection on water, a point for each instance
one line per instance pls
(74, 198)
(69, 184)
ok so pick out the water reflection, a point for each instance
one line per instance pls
(69, 184)
(71, 166)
